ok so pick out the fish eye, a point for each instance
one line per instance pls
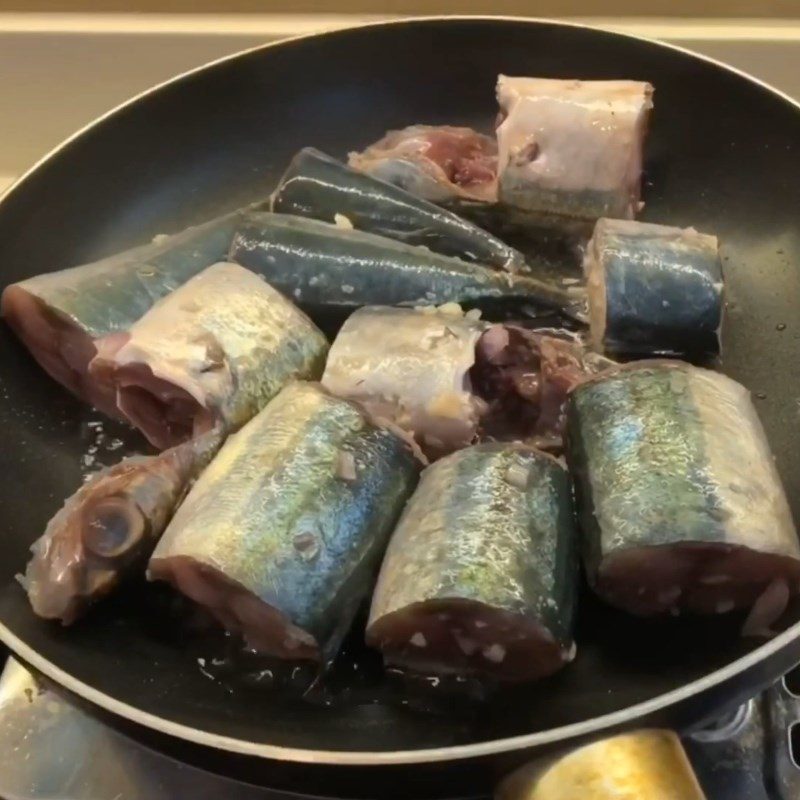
(112, 526)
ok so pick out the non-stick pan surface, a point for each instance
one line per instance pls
(723, 155)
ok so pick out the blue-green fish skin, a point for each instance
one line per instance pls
(59, 315)
(680, 502)
(111, 294)
(481, 573)
(321, 265)
(654, 289)
(283, 531)
(317, 186)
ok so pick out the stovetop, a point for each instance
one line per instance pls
(53, 750)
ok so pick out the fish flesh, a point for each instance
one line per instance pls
(654, 289)
(572, 148)
(448, 378)
(524, 376)
(60, 315)
(109, 527)
(213, 352)
(642, 765)
(680, 502)
(481, 574)
(437, 162)
(315, 185)
(320, 265)
(282, 533)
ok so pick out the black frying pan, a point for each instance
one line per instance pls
(723, 155)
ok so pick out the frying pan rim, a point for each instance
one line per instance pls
(378, 758)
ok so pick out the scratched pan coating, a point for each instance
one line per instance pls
(722, 155)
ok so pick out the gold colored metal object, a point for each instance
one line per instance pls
(644, 765)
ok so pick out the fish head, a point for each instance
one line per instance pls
(108, 528)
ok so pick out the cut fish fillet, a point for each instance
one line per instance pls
(214, 351)
(434, 162)
(467, 637)
(62, 348)
(570, 147)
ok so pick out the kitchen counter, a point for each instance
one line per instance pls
(60, 71)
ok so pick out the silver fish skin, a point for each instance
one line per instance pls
(449, 378)
(317, 186)
(60, 315)
(411, 366)
(281, 535)
(319, 265)
(109, 527)
(654, 289)
(681, 504)
(481, 573)
(572, 148)
(213, 352)
(440, 163)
